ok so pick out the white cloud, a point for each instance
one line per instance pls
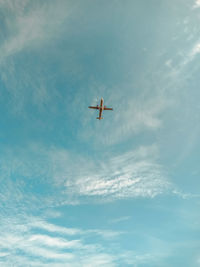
(41, 224)
(3, 254)
(102, 259)
(185, 195)
(195, 50)
(134, 174)
(49, 254)
(53, 228)
(50, 249)
(32, 26)
(189, 56)
(54, 242)
(197, 4)
(74, 179)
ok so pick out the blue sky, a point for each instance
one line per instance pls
(76, 191)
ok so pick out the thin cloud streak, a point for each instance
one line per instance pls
(120, 219)
(54, 229)
(54, 242)
(51, 228)
(48, 249)
(188, 57)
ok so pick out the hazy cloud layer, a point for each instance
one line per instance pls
(32, 24)
(75, 179)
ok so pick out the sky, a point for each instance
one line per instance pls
(76, 191)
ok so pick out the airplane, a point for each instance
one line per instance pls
(101, 108)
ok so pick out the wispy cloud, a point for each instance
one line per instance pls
(51, 228)
(61, 248)
(33, 29)
(54, 242)
(31, 26)
(74, 179)
(120, 219)
(195, 50)
(134, 174)
(54, 229)
(138, 115)
(187, 57)
(185, 195)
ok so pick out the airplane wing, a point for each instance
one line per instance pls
(97, 107)
(105, 108)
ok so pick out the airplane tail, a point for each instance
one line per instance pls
(99, 118)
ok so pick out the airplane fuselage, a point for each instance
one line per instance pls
(101, 108)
